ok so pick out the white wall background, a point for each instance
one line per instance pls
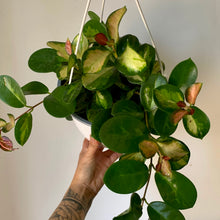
(34, 178)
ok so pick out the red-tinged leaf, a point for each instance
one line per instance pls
(192, 93)
(166, 168)
(101, 39)
(68, 47)
(181, 104)
(178, 115)
(6, 144)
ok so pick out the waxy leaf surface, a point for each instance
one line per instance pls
(135, 210)
(55, 104)
(160, 210)
(167, 96)
(147, 90)
(184, 74)
(198, 124)
(11, 93)
(177, 191)
(23, 128)
(176, 150)
(122, 133)
(126, 176)
(33, 88)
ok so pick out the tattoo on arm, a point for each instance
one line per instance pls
(72, 207)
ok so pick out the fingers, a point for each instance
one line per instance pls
(96, 145)
(85, 145)
(113, 156)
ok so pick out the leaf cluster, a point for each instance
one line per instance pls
(118, 86)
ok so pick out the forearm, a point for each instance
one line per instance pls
(75, 204)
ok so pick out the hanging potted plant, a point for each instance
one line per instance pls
(117, 84)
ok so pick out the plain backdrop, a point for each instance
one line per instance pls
(34, 178)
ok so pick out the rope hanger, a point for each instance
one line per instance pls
(101, 18)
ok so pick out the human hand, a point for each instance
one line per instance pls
(92, 165)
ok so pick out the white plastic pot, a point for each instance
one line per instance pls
(83, 125)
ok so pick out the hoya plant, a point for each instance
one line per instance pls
(117, 84)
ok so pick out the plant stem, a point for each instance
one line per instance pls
(145, 191)
(30, 109)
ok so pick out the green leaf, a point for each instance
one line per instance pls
(129, 62)
(11, 93)
(176, 150)
(34, 87)
(93, 27)
(100, 80)
(59, 47)
(72, 62)
(94, 59)
(177, 191)
(9, 125)
(23, 128)
(135, 210)
(55, 104)
(62, 74)
(45, 60)
(72, 91)
(184, 74)
(148, 53)
(2, 123)
(148, 148)
(147, 90)
(133, 156)
(156, 67)
(113, 22)
(167, 96)
(126, 176)
(98, 121)
(127, 107)
(93, 16)
(122, 133)
(83, 45)
(198, 124)
(160, 210)
(104, 99)
(163, 123)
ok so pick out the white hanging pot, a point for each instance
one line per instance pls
(83, 126)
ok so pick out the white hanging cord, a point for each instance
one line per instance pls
(151, 37)
(79, 37)
(102, 10)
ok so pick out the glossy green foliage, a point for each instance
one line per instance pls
(56, 105)
(176, 150)
(11, 93)
(83, 45)
(129, 62)
(104, 99)
(163, 124)
(117, 84)
(23, 128)
(177, 191)
(122, 133)
(122, 176)
(45, 60)
(184, 74)
(147, 90)
(98, 121)
(198, 124)
(127, 107)
(59, 47)
(34, 88)
(113, 22)
(162, 211)
(93, 27)
(100, 80)
(167, 96)
(135, 210)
